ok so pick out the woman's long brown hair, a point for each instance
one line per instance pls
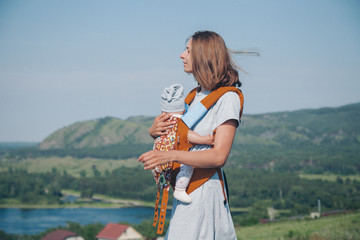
(212, 65)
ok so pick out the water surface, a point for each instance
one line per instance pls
(33, 221)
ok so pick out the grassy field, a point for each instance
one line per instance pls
(72, 166)
(344, 226)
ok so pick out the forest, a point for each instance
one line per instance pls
(255, 190)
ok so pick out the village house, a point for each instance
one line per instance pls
(113, 231)
(315, 215)
(62, 235)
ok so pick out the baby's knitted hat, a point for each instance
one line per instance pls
(172, 99)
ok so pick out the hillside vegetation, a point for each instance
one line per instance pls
(314, 141)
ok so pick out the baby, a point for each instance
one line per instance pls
(172, 101)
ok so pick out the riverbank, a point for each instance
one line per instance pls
(81, 205)
(107, 202)
(97, 201)
(11, 204)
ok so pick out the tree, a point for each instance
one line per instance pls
(96, 172)
(83, 173)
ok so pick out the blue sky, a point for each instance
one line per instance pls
(68, 61)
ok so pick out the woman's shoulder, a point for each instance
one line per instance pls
(226, 108)
(230, 97)
(231, 94)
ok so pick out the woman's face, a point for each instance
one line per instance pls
(186, 57)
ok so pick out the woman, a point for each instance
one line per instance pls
(207, 217)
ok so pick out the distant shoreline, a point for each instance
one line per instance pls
(97, 201)
(233, 210)
(57, 206)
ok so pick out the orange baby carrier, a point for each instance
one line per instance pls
(188, 121)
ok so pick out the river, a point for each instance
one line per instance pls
(33, 221)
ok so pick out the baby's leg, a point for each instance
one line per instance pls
(182, 181)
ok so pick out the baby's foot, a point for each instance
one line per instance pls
(181, 195)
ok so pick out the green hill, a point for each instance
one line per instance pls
(325, 126)
(311, 141)
(101, 132)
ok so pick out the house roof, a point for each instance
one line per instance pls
(59, 235)
(112, 231)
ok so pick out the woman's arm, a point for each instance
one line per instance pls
(214, 157)
(161, 125)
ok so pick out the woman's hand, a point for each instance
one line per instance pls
(161, 125)
(154, 158)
